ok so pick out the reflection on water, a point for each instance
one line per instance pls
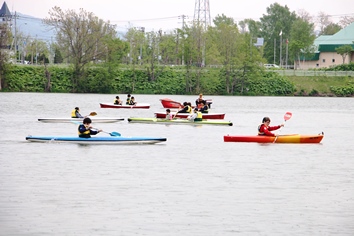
(194, 184)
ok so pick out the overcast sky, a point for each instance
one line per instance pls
(163, 14)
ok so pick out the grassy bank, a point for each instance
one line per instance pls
(308, 85)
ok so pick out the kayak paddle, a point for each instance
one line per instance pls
(175, 115)
(93, 114)
(112, 133)
(287, 116)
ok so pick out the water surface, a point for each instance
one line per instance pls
(194, 184)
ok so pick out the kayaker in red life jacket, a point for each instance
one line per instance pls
(200, 101)
(264, 128)
(85, 129)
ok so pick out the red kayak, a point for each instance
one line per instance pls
(218, 116)
(290, 138)
(169, 103)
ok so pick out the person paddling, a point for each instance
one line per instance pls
(76, 113)
(168, 114)
(264, 128)
(132, 101)
(128, 99)
(200, 101)
(196, 116)
(205, 108)
(85, 129)
(187, 108)
(117, 101)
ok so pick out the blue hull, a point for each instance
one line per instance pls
(96, 140)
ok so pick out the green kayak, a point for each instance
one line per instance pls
(178, 121)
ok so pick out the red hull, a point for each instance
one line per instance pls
(138, 106)
(291, 138)
(169, 103)
(218, 116)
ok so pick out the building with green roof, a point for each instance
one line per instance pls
(326, 54)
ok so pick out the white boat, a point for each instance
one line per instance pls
(96, 140)
(137, 106)
(68, 120)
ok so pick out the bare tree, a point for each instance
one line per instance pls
(80, 36)
(323, 21)
(346, 20)
(305, 15)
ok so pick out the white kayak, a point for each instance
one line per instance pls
(96, 139)
(94, 120)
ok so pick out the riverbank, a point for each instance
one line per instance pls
(319, 85)
(172, 81)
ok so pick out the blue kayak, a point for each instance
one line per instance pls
(96, 140)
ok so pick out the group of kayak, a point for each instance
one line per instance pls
(85, 132)
(186, 114)
(196, 113)
(193, 115)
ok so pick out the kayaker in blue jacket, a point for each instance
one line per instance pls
(76, 113)
(85, 129)
(264, 128)
(205, 108)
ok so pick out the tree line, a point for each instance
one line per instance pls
(84, 41)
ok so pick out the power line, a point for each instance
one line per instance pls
(151, 19)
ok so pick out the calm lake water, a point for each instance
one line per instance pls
(193, 184)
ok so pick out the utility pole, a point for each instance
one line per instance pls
(281, 39)
(158, 47)
(202, 18)
(275, 46)
(141, 45)
(130, 53)
(287, 50)
(202, 13)
(15, 37)
(183, 17)
(36, 50)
